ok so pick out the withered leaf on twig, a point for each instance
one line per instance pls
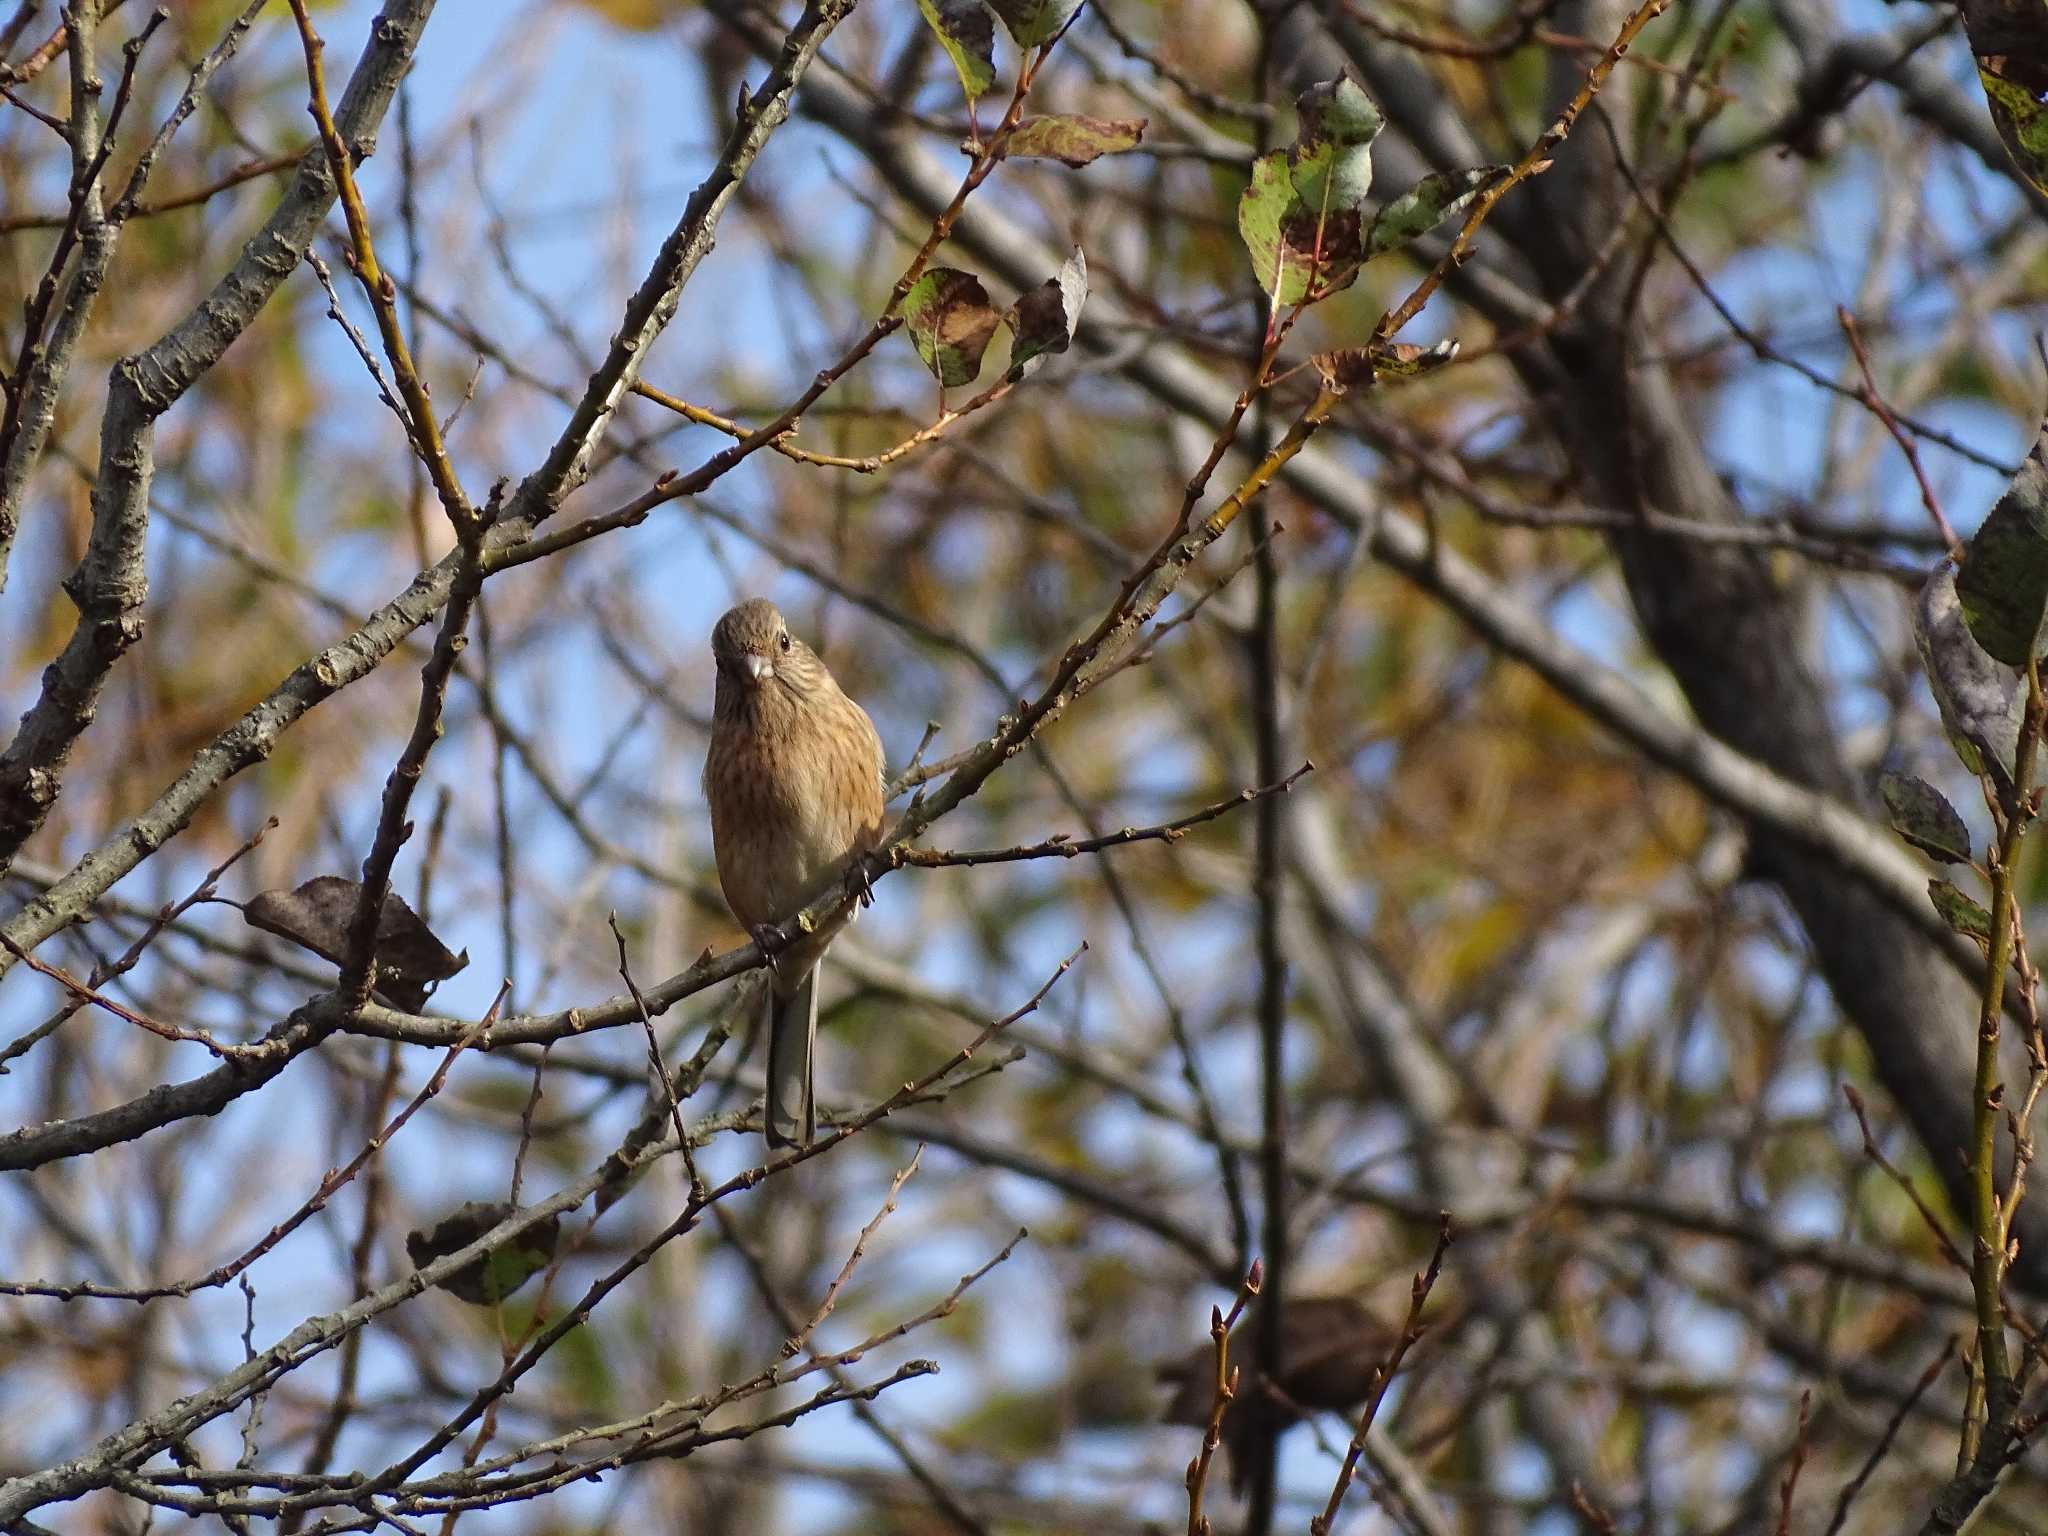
(316, 916)
(1348, 368)
(498, 1273)
(950, 321)
(1425, 205)
(1043, 319)
(1073, 138)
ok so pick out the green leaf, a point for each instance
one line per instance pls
(1425, 205)
(1291, 243)
(2021, 119)
(1303, 216)
(1073, 139)
(968, 35)
(1260, 213)
(1981, 702)
(1921, 814)
(1958, 911)
(1032, 22)
(1043, 320)
(1332, 155)
(1337, 112)
(2004, 580)
(950, 321)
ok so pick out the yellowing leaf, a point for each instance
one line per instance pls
(1073, 139)
(968, 34)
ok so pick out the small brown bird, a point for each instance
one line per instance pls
(794, 780)
(1330, 1351)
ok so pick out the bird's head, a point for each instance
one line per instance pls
(752, 646)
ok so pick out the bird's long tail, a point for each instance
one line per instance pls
(791, 1112)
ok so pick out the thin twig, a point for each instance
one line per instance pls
(1223, 1393)
(1063, 846)
(1878, 1452)
(1942, 1240)
(1410, 1331)
(1870, 397)
(330, 1184)
(1801, 1448)
(1532, 163)
(120, 1010)
(795, 1344)
(164, 918)
(866, 464)
(657, 1065)
(383, 295)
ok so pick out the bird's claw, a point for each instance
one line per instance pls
(770, 940)
(862, 881)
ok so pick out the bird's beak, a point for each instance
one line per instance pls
(760, 668)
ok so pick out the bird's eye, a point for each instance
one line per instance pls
(784, 640)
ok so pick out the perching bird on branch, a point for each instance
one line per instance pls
(794, 780)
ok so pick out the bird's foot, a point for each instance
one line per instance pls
(770, 940)
(860, 880)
